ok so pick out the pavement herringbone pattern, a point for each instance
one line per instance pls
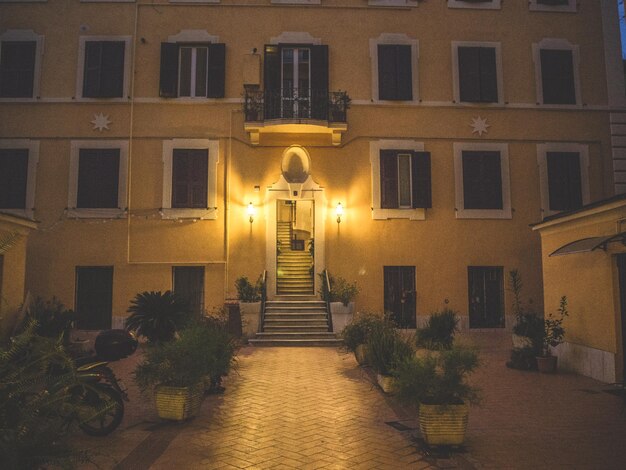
(295, 408)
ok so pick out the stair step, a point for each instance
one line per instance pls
(296, 342)
(296, 328)
(295, 335)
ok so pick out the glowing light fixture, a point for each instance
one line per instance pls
(251, 212)
(339, 212)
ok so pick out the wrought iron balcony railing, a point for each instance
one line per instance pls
(296, 105)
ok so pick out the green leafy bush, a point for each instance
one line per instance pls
(340, 289)
(438, 333)
(157, 316)
(554, 332)
(438, 379)
(386, 349)
(358, 330)
(246, 292)
(51, 317)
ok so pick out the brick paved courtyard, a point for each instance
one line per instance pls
(305, 408)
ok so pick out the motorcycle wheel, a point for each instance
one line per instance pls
(103, 410)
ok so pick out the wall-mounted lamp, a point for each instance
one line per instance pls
(339, 212)
(251, 212)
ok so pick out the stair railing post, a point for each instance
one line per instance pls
(327, 299)
(263, 299)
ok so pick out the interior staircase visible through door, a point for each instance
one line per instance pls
(294, 267)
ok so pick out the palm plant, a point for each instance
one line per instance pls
(157, 315)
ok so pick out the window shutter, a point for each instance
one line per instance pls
(168, 80)
(189, 178)
(91, 72)
(98, 178)
(319, 82)
(17, 69)
(388, 179)
(395, 76)
(421, 176)
(404, 73)
(469, 74)
(482, 180)
(553, 2)
(112, 69)
(564, 181)
(488, 75)
(271, 81)
(13, 178)
(557, 76)
(217, 71)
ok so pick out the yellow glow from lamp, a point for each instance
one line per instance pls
(339, 212)
(251, 212)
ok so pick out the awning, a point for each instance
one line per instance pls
(589, 244)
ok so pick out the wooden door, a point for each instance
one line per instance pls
(400, 295)
(486, 296)
(621, 268)
(94, 297)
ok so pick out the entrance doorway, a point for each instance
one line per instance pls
(486, 296)
(295, 247)
(621, 269)
(400, 295)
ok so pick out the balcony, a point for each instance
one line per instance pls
(305, 111)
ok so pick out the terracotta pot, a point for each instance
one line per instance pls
(546, 364)
(360, 353)
(443, 425)
(386, 382)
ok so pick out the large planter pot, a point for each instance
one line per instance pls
(341, 314)
(360, 353)
(250, 316)
(423, 353)
(546, 364)
(521, 342)
(386, 382)
(443, 425)
(178, 403)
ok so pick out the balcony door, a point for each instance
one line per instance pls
(296, 82)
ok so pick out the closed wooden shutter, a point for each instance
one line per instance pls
(553, 2)
(13, 178)
(420, 168)
(478, 78)
(168, 81)
(395, 76)
(189, 286)
(557, 76)
(271, 81)
(94, 297)
(486, 296)
(189, 178)
(217, 71)
(388, 179)
(564, 181)
(482, 180)
(98, 178)
(488, 75)
(103, 75)
(17, 69)
(319, 82)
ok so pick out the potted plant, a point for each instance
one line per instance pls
(249, 297)
(438, 333)
(386, 349)
(157, 315)
(437, 386)
(356, 334)
(553, 333)
(341, 298)
(178, 369)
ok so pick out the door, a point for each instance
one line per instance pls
(486, 296)
(399, 286)
(94, 297)
(188, 284)
(296, 82)
(621, 268)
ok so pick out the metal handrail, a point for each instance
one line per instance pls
(326, 292)
(263, 299)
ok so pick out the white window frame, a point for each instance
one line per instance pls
(213, 148)
(556, 44)
(122, 187)
(107, 1)
(456, 79)
(461, 213)
(194, 1)
(395, 39)
(542, 161)
(27, 35)
(31, 176)
(494, 5)
(392, 3)
(570, 7)
(82, 40)
(378, 213)
(299, 2)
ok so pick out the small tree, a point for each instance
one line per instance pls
(553, 331)
(246, 292)
(157, 316)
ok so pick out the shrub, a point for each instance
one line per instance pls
(554, 332)
(386, 349)
(438, 379)
(246, 292)
(358, 330)
(340, 289)
(157, 316)
(438, 334)
(51, 317)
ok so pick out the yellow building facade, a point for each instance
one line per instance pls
(170, 143)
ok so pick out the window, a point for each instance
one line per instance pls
(482, 181)
(20, 62)
(18, 167)
(486, 296)
(477, 72)
(189, 285)
(401, 179)
(94, 297)
(556, 65)
(552, 5)
(480, 4)
(394, 67)
(563, 177)
(190, 178)
(399, 286)
(103, 67)
(193, 70)
(98, 173)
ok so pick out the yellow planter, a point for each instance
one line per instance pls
(387, 383)
(443, 425)
(360, 353)
(178, 403)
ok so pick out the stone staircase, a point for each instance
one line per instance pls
(295, 323)
(293, 267)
